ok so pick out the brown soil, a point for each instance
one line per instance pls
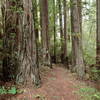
(58, 84)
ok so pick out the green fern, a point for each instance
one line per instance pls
(89, 93)
(13, 90)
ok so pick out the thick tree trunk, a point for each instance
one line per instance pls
(65, 32)
(61, 30)
(80, 13)
(9, 40)
(20, 42)
(40, 5)
(54, 12)
(35, 18)
(45, 32)
(77, 54)
(36, 26)
(98, 35)
(28, 65)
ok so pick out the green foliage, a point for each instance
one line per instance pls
(95, 74)
(3, 90)
(88, 93)
(13, 1)
(12, 90)
(94, 70)
(16, 7)
(89, 55)
(89, 31)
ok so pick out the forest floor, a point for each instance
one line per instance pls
(57, 84)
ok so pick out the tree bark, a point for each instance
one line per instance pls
(80, 13)
(65, 32)
(98, 35)
(36, 26)
(45, 32)
(77, 54)
(28, 64)
(35, 18)
(9, 40)
(54, 12)
(61, 30)
(19, 22)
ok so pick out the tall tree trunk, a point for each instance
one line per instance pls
(80, 13)
(40, 5)
(45, 32)
(36, 26)
(77, 54)
(54, 12)
(28, 65)
(65, 31)
(9, 40)
(35, 18)
(61, 29)
(98, 35)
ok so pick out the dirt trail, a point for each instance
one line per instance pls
(58, 84)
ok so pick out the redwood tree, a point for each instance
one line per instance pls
(61, 29)
(54, 26)
(98, 34)
(28, 66)
(21, 25)
(77, 54)
(9, 39)
(45, 32)
(65, 31)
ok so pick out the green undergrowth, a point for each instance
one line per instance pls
(88, 93)
(10, 90)
(95, 74)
